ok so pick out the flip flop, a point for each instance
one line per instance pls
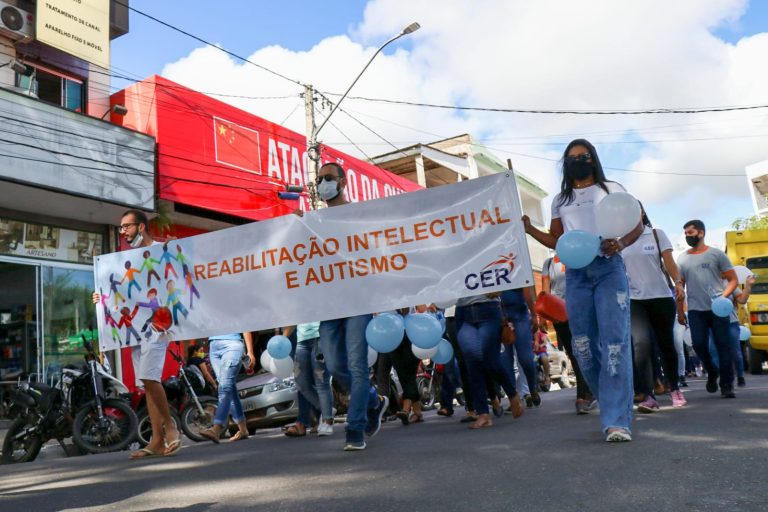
(416, 418)
(147, 454)
(172, 448)
(238, 436)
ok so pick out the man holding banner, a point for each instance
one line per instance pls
(149, 357)
(342, 341)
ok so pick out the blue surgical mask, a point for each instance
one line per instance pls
(327, 190)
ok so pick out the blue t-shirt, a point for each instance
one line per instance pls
(236, 336)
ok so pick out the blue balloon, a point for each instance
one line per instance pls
(444, 352)
(722, 307)
(744, 333)
(578, 248)
(423, 329)
(385, 332)
(279, 347)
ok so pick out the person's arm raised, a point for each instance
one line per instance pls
(546, 239)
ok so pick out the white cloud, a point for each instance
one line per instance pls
(597, 54)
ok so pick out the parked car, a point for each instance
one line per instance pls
(268, 401)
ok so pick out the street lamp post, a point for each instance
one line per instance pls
(313, 150)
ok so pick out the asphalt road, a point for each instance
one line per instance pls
(710, 456)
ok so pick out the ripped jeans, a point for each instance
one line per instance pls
(597, 300)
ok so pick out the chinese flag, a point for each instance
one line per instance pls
(236, 145)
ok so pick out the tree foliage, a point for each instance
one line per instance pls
(753, 222)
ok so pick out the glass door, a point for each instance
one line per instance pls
(19, 301)
(68, 316)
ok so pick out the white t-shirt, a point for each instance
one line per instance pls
(646, 280)
(580, 212)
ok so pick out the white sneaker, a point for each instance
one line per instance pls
(324, 429)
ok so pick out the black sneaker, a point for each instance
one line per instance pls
(727, 392)
(528, 401)
(741, 382)
(682, 382)
(355, 441)
(374, 417)
(712, 384)
(535, 398)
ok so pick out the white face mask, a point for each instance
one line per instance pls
(137, 240)
(328, 190)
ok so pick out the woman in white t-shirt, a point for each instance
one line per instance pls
(652, 311)
(597, 296)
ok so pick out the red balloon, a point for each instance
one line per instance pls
(162, 319)
(551, 307)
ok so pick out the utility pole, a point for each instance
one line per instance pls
(313, 154)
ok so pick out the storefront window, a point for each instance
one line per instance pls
(68, 315)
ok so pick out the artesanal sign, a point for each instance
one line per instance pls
(78, 27)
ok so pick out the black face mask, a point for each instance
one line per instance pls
(693, 241)
(578, 170)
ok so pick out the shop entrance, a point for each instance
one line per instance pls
(19, 298)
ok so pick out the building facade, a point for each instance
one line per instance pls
(66, 175)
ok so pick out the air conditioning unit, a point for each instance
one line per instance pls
(16, 23)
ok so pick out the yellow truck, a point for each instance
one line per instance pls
(750, 249)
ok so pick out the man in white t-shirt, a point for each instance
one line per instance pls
(148, 363)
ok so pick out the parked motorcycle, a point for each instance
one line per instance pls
(192, 408)
(88, 404)
(429, 378)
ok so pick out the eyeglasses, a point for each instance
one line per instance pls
(327, 177)
(124, 227)
(584, 157)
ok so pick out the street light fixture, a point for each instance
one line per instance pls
(312, 147)
(116, 109)
(413, 27)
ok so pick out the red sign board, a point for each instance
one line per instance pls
(215, 156)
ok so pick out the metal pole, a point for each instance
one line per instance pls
(312, 152)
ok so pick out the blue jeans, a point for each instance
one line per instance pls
(313, 381)
(738, 357)
(479, 334)
(342, 342)
(597, 299)
(451, 381)
(702, 323)
(225, 358)
(523, 347)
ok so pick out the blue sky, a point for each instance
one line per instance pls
(246, 27)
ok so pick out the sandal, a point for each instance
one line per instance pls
(416, 418)
(145, 453)
(444, 412)
(296, 430)
(482, 421)
(403, 416)
(469, 418)
(238, 436)
(210, 434)
(172, 448)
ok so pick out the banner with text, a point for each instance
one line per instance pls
(433, 245)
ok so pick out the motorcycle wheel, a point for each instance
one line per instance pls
(427, 397)
(117, 432)
(144, 428)
(193, 422)
(24, 449)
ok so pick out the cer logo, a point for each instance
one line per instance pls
(490, 277)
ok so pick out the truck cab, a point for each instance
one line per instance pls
(750, 249)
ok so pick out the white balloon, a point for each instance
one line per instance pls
(372, 357)
(281, 368)
(616, 215)
(424, 353)
(742, 273)
(265, 359)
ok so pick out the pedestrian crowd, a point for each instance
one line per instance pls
(638, 322)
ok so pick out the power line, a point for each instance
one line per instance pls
(675, 110)
(200, 39)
